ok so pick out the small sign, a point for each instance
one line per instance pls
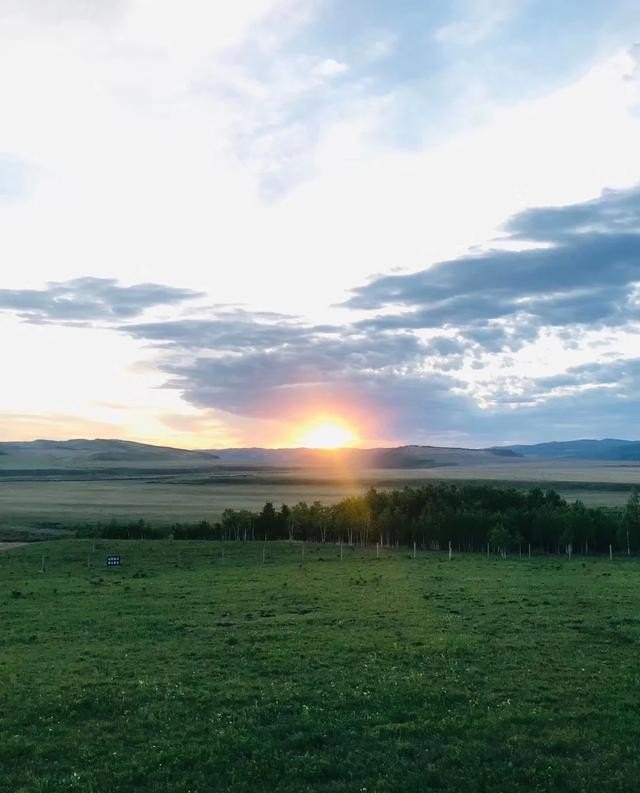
(113, 561)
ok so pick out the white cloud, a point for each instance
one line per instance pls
(139, 177)
(330, 68)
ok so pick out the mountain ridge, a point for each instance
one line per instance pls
(102, 453)
(582, 449)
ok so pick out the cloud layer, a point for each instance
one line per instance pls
(444, 351)
(582, 277)
(273, 155)
(586, 271)
(89, 300)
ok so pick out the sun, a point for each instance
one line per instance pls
(328, 435)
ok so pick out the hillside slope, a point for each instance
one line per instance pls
(102, 454)
(586, 449)
(98, 453)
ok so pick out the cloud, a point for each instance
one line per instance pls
(622, 374)
(330, 68)
(378, 145)
(583, 274)
(613, 212)
(399, 374)
(595, 409)
(586, 273)
(284, 369)
(435, 69)
(89, 299)
(382, 402)
(227, 333)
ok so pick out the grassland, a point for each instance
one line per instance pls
(57, 487)
(50, 501)
(196, 667)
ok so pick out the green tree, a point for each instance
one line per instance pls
(631, 520)
(268, 520)
(500, 537)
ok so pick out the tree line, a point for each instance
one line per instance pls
(470, 517)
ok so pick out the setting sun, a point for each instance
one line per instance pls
(328, 435)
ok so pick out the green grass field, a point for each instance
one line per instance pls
(185, 671)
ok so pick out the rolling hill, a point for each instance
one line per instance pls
(98, 453)
(124, 457)
(586, 449)
(395, 457)
(102, 454)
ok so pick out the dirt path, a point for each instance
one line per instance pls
(7, 546)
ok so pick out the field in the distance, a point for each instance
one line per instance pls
(186, 671)
(49, 501)
(60, 486)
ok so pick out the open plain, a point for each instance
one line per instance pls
(200, 667)
(42, 502)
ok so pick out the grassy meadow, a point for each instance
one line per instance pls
(48, 502)
(198, 667)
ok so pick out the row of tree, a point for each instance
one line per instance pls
(433, 515)
(470, 517)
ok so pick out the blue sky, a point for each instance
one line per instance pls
(221, 225)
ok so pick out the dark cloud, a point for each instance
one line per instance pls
(585, 274)
(285, 369)
(248, 370)
(278, 386)
(390, 382)
(386, 372)
(225, 332)
(592, 412)
(621, 374)
(395, 400)
(443, 345)
(89, 299)
(321, 344)
(614, 212)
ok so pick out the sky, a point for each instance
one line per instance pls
(222, 224)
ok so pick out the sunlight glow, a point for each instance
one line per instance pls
(328, 435)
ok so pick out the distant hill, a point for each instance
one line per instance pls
(586, 449)
(124, 457)
(395, 457)
(98, 453)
